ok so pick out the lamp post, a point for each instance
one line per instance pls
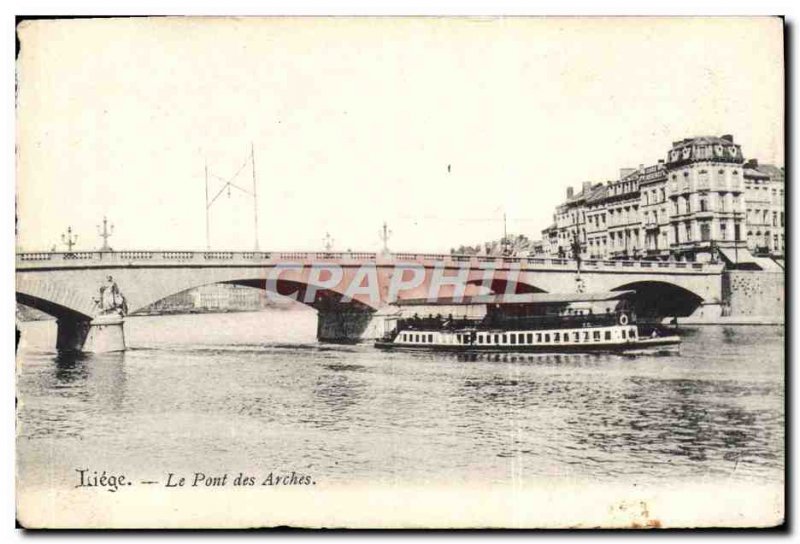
(69, 240)
(105, 233)
(385, 234)
(327, 242)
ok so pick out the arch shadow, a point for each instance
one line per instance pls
(51, 308)
(659, 299)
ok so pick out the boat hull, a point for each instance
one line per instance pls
(644, 344)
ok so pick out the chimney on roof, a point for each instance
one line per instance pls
(587, 186)
(727, 137)
(752, 163)
(570, 192)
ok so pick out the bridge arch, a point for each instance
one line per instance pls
(662, 299)
(54, 299)
(321, 298)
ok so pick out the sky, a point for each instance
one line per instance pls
(436, 126)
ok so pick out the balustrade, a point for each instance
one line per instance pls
(231, 257)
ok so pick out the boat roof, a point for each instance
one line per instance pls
(525, 298)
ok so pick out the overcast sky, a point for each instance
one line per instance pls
(355, 121)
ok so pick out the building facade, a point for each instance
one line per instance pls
(764, 188)
(703, 202)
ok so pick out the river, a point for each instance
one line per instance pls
(256, 391)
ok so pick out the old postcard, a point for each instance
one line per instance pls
(384, 272)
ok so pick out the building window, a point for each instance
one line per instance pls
(723, 231)
(705, 232)
(703, 204)
(702, 179)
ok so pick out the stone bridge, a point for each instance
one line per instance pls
(346, 288)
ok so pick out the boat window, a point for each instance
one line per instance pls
(586, 335)
(496, 338)
(513, 338)
(505, 338)
(430, 338)
(556, 337)
(623, 334)
(480, 339)
(538, 337)
(633, 332)
(566, 337)
(530, 338)
(576, 336)
(596, 335)
(608, 335)
(416, 338)
(547, 338)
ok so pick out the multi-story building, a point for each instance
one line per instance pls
(225, 296)
(654, 211)
(550, 241)
(764, 185)
(705, 189)
(596, 223)
(622, 208)
(701, 203)
(580, 218)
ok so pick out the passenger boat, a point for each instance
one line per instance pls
(537, 322)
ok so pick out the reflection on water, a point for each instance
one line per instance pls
(256, 390)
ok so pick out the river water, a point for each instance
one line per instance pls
(256, 391)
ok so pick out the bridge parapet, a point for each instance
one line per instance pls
(169, 258)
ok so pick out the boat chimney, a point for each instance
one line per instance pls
(570, 192)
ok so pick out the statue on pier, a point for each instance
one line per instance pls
(111, 301)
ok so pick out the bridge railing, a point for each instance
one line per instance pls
(234, 258)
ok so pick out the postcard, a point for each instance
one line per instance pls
(400, 272)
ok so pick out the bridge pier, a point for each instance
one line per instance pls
(101, 335)
(348, 327)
